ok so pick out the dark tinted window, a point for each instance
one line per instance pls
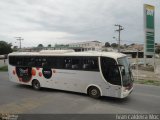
(18, 61)
(110, 70)
(82, 63)
(12, 60)
(73, 63)
(90, 63)
(32, 61)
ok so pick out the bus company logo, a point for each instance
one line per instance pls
(47, 73)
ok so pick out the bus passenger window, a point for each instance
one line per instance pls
(74, 66)
(90, 64)
(31, 62)
(38, 62)
(85, 66)
(75, 63)
(68, 64)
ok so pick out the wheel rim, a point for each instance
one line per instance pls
(36, 85)
(94, 92)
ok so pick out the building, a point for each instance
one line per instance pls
(86, 46)
(77, 47)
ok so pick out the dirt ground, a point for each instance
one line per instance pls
(145, 74)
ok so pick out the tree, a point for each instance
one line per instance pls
(114, 45)
(40, 46)
(107, 44)
(157, 50)
(132, 44)
(5, 48)
(49, 45)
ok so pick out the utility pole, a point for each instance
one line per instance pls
(119, 35)
(19, 39)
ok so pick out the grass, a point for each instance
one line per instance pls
(148, 82)
(3, 68)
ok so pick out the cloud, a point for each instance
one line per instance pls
(64, 21)
(33, 38)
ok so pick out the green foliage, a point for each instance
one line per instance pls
(148, 82)
(49, 45)
(5, 48)
(4, 68)
(132, 44)
(40, 46)
(157, 50)
(114, 45)
(107, 44)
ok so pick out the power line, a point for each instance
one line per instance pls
(120, 28)
(19, 39)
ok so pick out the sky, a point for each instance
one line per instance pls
(70, 21)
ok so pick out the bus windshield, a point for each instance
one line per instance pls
(110, 71)
(127, 77)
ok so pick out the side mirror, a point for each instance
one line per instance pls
(122, 69)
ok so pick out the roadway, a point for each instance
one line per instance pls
(15, 98)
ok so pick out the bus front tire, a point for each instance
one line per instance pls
(94, 92)
(36, 85)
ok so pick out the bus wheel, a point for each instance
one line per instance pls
(94, 92)
(36, 85)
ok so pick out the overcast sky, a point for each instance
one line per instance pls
(69, 21)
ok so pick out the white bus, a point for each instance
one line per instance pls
(94, 73)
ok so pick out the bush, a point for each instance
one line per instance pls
(4, 68)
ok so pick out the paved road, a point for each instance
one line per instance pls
(16, 98)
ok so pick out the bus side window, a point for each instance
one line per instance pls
(72, 63)
(31, 62)
(54, 62)
(90, 64)
(60, 64)
(19, 61)
(85, 64)
(68, 63)
(25, 61)
(12, 60)
(81, 63)
(38, 62)
(75, 63)
(45, 62)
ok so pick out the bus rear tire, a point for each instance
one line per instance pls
(36, 85)
(94, 92)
